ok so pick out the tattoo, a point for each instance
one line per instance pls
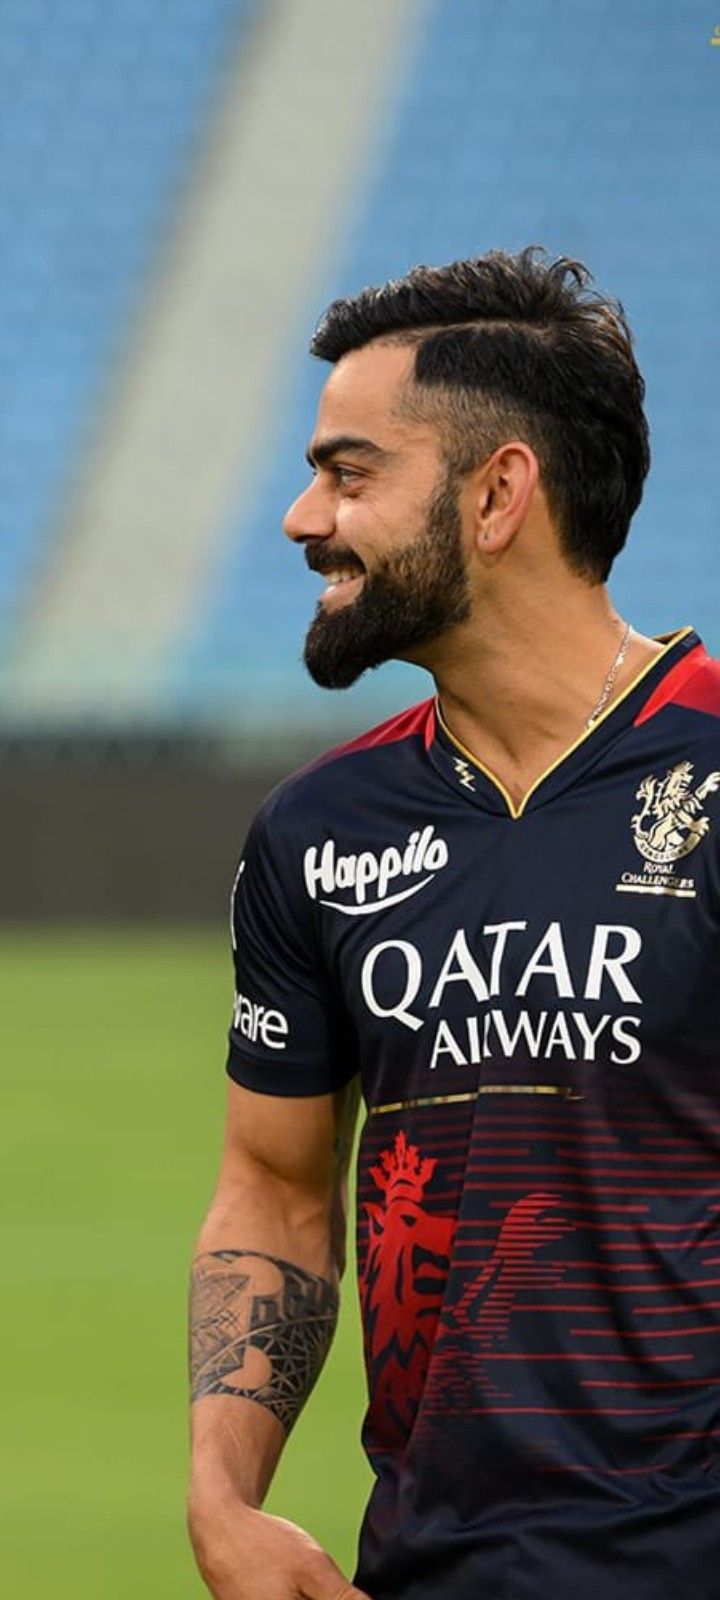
(260, 1329)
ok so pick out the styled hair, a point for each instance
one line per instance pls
(519, 346)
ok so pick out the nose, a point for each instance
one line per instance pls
(311, 516)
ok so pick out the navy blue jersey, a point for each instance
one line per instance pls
(531, 995)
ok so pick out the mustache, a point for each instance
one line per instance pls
(325, 560)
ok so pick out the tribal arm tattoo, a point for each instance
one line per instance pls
(260, 1329)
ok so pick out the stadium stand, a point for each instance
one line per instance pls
(100, 105)
(186, 411)
(592, 129)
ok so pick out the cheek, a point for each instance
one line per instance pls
(356, 525)
(376, 525)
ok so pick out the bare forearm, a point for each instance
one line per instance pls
(263, 1312)
(261, 1325)
(261, 1328)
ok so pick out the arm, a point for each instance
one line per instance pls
(263, 1310)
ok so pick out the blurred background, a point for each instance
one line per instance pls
(184, 185)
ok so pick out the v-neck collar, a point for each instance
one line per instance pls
(468, 774)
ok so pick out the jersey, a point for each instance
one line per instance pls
(531, 996)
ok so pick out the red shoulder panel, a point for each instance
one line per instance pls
(694, 682)
(417, 719)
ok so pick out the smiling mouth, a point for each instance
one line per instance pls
(342, 583)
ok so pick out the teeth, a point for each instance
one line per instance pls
(340, 577)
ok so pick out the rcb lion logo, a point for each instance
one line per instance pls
(672, 821)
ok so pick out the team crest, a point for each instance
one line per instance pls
(672, 820)
(670, 824)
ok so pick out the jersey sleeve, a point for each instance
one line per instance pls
(290, 1034)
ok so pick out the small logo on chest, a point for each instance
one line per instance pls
(464, 772)
(670, 823)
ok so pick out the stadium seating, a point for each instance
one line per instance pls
(592, 129)
(99, 107)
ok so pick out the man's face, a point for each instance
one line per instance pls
(381, 520)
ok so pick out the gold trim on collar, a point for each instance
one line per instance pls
(587, 733)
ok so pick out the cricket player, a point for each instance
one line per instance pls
(496, 918)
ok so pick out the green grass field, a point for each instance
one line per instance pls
(114, 1054)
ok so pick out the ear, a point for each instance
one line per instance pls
(507, 483)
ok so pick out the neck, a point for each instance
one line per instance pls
(517, 688)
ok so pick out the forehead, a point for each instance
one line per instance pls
(362, 396)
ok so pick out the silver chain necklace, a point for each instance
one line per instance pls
(607, 687)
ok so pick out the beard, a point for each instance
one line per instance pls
(412, 597)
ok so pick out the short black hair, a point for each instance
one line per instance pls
(520, 346)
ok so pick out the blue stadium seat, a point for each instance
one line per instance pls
(100, 101)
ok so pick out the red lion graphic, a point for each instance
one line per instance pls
(401, 1287)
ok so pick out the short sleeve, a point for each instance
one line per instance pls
(290, 1034)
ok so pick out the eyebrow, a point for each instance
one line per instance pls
(317, 455)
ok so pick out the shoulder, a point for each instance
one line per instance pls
(692, 685)
(701, 691)
(371, 760)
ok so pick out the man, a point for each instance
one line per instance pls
(501, 910)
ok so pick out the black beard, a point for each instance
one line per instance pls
(414, 595)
